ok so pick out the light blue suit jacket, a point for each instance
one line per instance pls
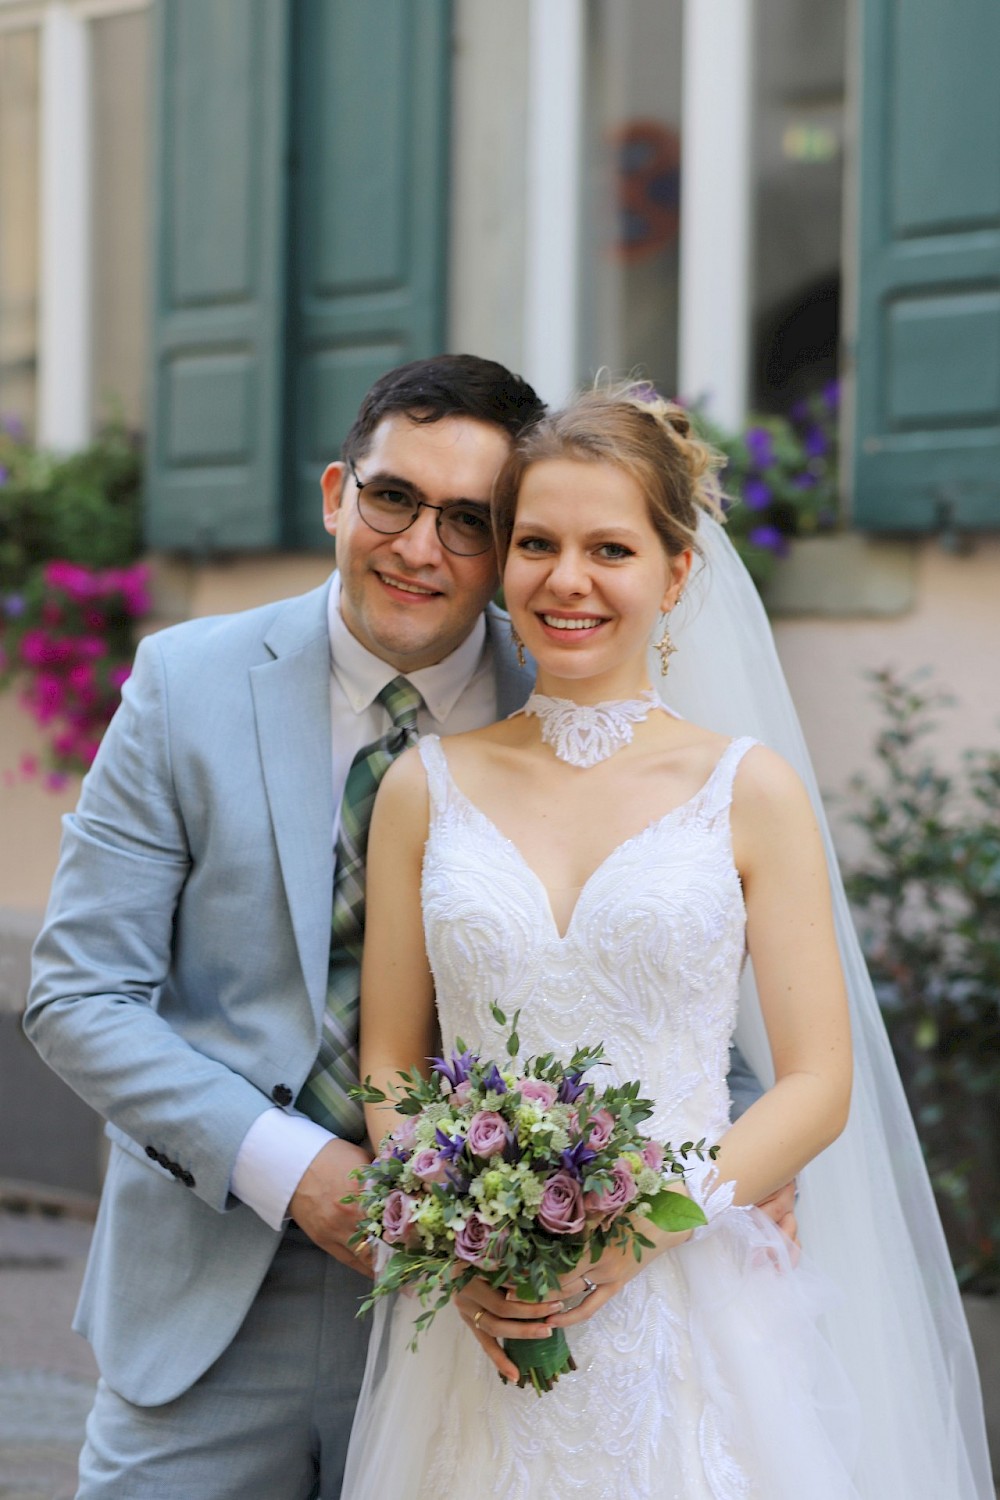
(180, 976)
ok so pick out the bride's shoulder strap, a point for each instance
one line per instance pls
(436, 767)
(718, 792)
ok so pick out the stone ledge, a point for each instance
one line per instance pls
(844, 575)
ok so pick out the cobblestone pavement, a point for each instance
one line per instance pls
(47, 1372)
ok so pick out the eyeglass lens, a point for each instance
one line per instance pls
(463, 528)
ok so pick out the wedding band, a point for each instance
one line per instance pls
(475, 1321)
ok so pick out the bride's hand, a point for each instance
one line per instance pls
(494, 1315)
(590, 1286)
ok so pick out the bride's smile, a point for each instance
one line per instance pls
(587, 577)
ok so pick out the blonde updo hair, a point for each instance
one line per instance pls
(648, 439)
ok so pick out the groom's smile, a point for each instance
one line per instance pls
(405, 596)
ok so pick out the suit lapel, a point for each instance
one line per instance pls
(514, 683)
(291, 696)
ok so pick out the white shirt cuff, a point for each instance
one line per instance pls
(270, 1163)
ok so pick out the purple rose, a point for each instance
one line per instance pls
(652, 1155)
(472, 1239)
(618, 1196)
(397, 1218)
(404, 1134)
(561, 1209)
(487, 1133)
(429, 1166)
(537, 1088)
(602, 1126)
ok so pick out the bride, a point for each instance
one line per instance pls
(604, 866)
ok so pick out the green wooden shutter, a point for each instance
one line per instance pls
(215, 443)
(927, 431)
(369, 222)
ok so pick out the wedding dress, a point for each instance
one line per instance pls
(705, 1378)
(711, 1373)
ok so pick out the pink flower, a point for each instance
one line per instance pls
(56, 780)
(652, 1155)
(429, 1166)
(28, 767)
(487, 1133)
(76, 581)
(602, 1124)
(537, 1088)
(461, 1091)
(618, 1196)
(404, 1134)
(397, 1218)
(50, 695)
(561, 1209)
(89, 647)
(95, 618)
(472, 1239)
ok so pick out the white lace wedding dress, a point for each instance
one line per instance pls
(707, 1377)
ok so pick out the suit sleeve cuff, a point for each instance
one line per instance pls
(270, 1163)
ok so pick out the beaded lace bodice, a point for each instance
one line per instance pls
(701, 1378)
(649, 964)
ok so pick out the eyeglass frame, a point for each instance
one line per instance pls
(419, 506)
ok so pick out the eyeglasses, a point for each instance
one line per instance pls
(463, 528)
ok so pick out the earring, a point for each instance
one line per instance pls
(666, 648)
(522, 660)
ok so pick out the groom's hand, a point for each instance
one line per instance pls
(780, 1207)
(316, 1205)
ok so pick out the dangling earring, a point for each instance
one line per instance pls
(522, 660)
(666, 648)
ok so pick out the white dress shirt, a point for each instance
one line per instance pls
(459, 693)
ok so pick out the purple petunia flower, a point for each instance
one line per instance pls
(804, 481)
(760, 446)
(4, 474)
(815, 442)
(771, 539)
(831, 395)
(757, 494)
(14, 606)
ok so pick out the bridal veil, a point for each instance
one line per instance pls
(866, 1211)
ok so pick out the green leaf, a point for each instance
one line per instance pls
(673, 1211)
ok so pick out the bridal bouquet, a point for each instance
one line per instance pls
(517, 1177)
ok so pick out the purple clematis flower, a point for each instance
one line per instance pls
(493, 1080)
(457, 1070)
(570, 1088)
(576, 1158)
(450, 1146)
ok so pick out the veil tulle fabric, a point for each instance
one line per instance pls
(866, 1210)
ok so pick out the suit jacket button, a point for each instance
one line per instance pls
(281, 1094)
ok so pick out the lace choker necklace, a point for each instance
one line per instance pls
(582, 734)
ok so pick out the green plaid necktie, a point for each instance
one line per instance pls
(324, 1097)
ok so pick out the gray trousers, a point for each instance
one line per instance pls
(270, 1420)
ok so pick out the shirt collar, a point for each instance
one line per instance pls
(362, 675)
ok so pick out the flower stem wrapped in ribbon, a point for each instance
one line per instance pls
(516, 1175)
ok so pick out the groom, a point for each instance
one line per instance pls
(188, 982)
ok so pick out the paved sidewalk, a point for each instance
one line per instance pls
(47, 1372)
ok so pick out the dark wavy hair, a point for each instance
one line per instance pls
(448, 385)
